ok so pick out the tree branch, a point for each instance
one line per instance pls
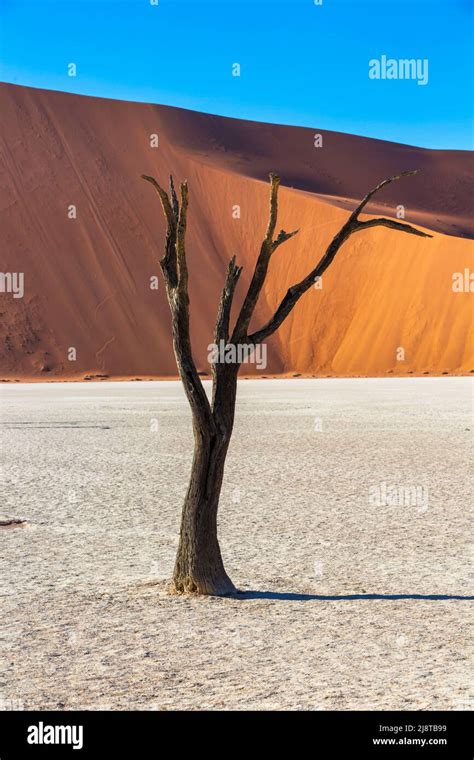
(400, 226)
(175, 273)
(272, 220)
(169, 262)
(181, 232)
(282, 238)
(174, 198)
(224, 376)
(225, 304)
(352, 225)
(371, 193)
(165, 201)
(261, 267)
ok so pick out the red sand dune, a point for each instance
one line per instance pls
(87, 280)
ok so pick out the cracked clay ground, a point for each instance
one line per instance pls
(348, 594)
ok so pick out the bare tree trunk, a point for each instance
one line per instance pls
(199, 567)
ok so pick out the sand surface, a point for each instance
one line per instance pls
(347, 603)
(386, 304)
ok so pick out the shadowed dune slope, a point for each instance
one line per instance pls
(87, 279)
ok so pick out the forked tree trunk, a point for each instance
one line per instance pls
(199, 568)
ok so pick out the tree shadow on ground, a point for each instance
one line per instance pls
(284, 596)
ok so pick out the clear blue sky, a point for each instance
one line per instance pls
(300, 63)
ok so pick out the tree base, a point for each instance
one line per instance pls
(221, 586)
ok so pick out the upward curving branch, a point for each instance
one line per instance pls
(267, 248)
(378, 187)
(175, 273)
(180, 236)
(225, 305)
(168, 262)
(352, 225)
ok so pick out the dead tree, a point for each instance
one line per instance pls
(199, 567)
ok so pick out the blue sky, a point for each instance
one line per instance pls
(300, 63)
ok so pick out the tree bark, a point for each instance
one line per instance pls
(199, 567)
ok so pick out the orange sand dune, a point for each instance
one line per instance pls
(87, 280)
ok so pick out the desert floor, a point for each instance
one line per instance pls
(347, 602)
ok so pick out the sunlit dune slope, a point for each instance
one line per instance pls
(386, 305)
